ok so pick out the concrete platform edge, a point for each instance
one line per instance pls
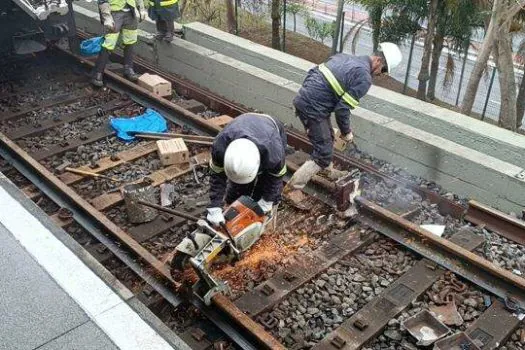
(93, 265)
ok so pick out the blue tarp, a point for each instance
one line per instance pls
(91, 47)
(151, 121)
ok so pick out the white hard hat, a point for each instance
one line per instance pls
(241, 161)
(392, 53)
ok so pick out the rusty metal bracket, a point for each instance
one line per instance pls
(288, 277)
(269, 322)
(346, 189)
(267, 289)
(360, 324)
(198, 334)
(338, 342)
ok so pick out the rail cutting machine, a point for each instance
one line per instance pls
(245, 223)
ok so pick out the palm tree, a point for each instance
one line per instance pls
(456, 20)
(294, 8)
(497, 41)
(520, 101)
(375, 9)
(276, 24)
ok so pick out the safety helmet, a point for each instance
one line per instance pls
(241, 161)
(392, 53)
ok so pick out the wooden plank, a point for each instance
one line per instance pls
(107, 163)
(158, 177)
(494, 326)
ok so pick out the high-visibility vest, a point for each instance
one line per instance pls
(334, 84)
(118, 5)
(163, 3)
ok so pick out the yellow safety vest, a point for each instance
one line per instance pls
(334, 83)
(118, 5)
(164, 3)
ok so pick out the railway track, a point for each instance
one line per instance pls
(317, 282)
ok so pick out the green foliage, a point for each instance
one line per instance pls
(294, 8)
(319, 30)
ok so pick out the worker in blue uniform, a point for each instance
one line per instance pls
(335, 86)
(120, 19)
(164, 12)
(247, 158)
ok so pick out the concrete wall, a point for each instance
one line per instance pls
(233, 79)
(478, 135)
(464, 170)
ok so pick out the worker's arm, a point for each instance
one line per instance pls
(272, 178)
(359, 82)
(218, 182)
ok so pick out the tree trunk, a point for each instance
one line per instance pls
(434, 67)
(295, 22)
(507, 81)
(230, 16)
(376, 14)
(276, 23)
(425, 60)
(481, 63)
(520, 104)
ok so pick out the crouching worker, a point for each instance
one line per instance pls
(120, 18)
(334, 86)
(164, 12)
(247, 158)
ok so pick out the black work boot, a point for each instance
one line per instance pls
(161, 29)
(98, 70)
(170, 29)
(129, 73)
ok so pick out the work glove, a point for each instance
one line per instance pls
(141, 10)
(265, 206)
(107, 18)
(215, 216)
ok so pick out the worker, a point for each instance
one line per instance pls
(164, 12)
(334, 86)
(119, 17)
(247, 158)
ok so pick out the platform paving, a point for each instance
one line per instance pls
(35, 313)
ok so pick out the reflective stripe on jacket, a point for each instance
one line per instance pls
(118, 5)
(319, 97)
(163, 3)
(268, 135)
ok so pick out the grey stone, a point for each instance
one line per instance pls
(393, 334)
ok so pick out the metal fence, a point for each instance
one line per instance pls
(451, 65)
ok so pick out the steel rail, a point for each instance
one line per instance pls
(295, 138)
(472, 267)
(230, 311)
(497, 221)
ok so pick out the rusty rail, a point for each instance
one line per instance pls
(497, 221)
(444, 252)
(263, 338)
(388, 223)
